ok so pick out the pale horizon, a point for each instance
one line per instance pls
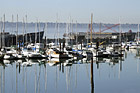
(107, 11)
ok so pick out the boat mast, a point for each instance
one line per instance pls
(91, 30)
(12, 29)
(46, 32)
(17, 33)
(3, 32)
(36, 32)
(120, 31)
(138, 33)
(26, 29)
(66, 33)
(76, 36)
(58, 34)
(57, 29)
(67, 40)
(23, 30)
(39, 32)
(69, 28)
(100, 33)
(72, 32)
(87, 34)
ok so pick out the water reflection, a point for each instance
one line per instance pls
(137, 53)
(59, 75)
(138, 57)
(92, 79)
(29, 68)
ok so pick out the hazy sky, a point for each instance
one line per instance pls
(106, 11)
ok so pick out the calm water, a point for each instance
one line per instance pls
(114, 75)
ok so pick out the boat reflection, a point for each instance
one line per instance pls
(42, 73)
(63, 62)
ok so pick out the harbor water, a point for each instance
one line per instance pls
(97, 75)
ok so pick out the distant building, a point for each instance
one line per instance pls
(7, 39)
(96, 36)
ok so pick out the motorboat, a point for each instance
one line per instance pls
(96, 52)
(32, 54)
(54, 53)
(8, 56)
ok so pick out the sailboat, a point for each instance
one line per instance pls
(95, 51)
(32, 51)
(18, 54)
(7, 52)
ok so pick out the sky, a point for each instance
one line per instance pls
(105, 11)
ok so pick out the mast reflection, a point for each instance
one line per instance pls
(41, 72)
(92, 79)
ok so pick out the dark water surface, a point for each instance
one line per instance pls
(104, 75)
